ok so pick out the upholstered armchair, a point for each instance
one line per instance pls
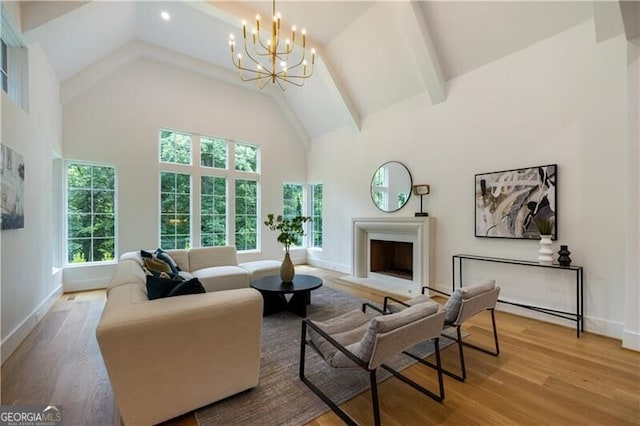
(466, 302)
(355, 340)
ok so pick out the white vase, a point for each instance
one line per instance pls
(545, 254)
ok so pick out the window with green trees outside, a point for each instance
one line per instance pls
(246, 157)
(316, 215)
(213, 211)
(175, 210)
(213, 152)
(91, 213)
(175, 147)
(292, 203)
(246, 215)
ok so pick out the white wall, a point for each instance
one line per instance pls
(631, 336)
(28, 285)
(559, 101)
(117, 122)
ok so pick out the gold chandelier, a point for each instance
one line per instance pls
(274, 60)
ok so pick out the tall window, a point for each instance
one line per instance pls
(246, 214)
(4, 70)
(175, 147)
(292, 203)
(175, 216)
(316, 215)
(222, 176)
(213, 153)
(213, 211)
(91, 213)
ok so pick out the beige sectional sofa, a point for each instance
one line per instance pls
(166, 357)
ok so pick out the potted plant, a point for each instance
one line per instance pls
(291, 230)
(545, 228)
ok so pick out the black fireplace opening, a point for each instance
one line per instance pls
(393, 258)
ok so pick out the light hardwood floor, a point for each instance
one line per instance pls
(544, 374)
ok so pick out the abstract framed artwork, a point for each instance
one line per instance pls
(11, 188)
(508, 203)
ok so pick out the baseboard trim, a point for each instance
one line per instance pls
(631, 340)
(332, 266)
(17, 336)
(85, 285)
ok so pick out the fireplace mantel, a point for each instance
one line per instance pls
(418, 230)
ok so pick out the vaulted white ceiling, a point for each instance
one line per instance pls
(371, 54)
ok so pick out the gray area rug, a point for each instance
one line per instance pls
(280, 397)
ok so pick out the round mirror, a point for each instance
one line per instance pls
(391, 186)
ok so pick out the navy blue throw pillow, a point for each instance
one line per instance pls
(193, 286)
(144, 253)
(159, 287)
(162, 255)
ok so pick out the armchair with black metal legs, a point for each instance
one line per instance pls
(354, 339)
(464, 303)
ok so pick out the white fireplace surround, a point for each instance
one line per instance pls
(416, 230)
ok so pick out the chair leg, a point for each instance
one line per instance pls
(374, 397)
(340, 412)
(436, 343)
(495, 339)
(460, 345)
(460, 378)
(438, 367)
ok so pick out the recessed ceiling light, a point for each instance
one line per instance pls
(165, 15)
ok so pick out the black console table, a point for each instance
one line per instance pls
(577, 316)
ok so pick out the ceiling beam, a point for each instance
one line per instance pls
(424, 53)
(333, 84)
(607, 20)
(631, 18)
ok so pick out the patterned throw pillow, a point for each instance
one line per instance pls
(156, 264)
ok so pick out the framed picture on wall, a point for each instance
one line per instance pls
(11, 188)
(509, 203)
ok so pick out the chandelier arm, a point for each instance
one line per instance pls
(278, 79)
(300, 77)
(266, 69)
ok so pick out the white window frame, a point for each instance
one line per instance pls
(65, 225)
(197, 170)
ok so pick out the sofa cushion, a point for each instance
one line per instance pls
(261, 268)
(223, 278)
(207, 257)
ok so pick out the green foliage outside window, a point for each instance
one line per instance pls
(213, 211)
(246, 158)
(292, 205)
(91, 214)
(213, 153)
(316, 215)
(246, 214)
(175, 211)
(175, 147)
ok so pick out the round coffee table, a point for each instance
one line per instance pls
(273, 292)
